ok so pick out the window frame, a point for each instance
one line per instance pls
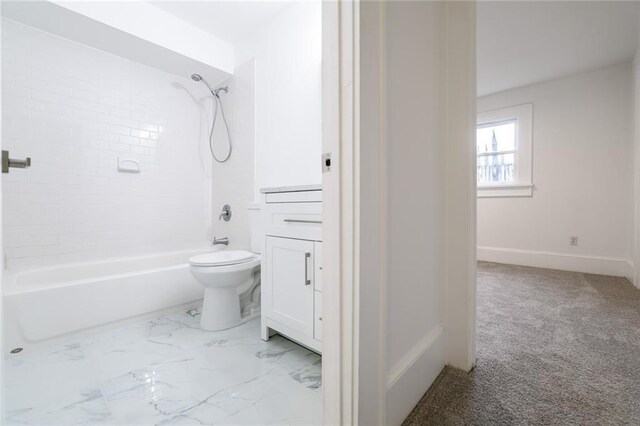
(522, 186)
(513, 151)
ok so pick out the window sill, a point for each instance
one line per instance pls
(499, 191)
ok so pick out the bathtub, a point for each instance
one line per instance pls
(51, 305)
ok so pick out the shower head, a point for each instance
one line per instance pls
(217, 103)
(198, 77)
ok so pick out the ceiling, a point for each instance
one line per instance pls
(229, 20)
(521, 43)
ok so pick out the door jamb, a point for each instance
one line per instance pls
(340, 251)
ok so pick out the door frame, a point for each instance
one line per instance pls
(347, 27)
(340, 250)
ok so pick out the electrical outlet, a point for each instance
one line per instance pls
(573, 241)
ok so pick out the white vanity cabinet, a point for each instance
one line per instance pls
(289, 300)
(292, 265)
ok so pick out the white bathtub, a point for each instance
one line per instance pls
(46, 306)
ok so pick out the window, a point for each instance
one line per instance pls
(503, 143)
(496, 152)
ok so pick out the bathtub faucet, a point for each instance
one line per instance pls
(224, 241)
(225, 213)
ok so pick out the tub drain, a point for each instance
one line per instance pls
(16, 350)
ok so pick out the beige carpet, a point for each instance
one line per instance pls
(554, 348)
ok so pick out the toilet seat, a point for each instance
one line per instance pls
(222, 258)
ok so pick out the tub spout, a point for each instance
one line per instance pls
(218, 241)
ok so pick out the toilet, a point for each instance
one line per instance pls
(231, 279)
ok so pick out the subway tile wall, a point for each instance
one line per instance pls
(233, 181)
(75, 110)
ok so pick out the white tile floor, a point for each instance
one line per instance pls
(167, 371)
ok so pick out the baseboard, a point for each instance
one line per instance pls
(410, 378)
(613, 266)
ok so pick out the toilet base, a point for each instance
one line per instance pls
(221, 310)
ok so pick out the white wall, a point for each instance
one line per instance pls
(158, 27)
(408, 151)
(233, 181)
(459, 294)
(415, 194)
(274, 112)
(160, 40)
(74, 110)
(582, 172)
(371, 212)
(288, 60)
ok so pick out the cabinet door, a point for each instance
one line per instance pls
(289, 289)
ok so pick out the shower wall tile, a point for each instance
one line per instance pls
(74, 110)
(233, 181)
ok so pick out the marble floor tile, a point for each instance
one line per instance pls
(87, 408)
(271, 398)
(39, 378)
(167, 371)
(119, 351)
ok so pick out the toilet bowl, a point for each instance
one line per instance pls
(225, 274)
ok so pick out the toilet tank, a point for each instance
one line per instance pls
(256, 227)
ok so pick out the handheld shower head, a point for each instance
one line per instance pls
(217, 102)
(198, 77)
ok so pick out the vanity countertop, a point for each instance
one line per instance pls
(298, 188)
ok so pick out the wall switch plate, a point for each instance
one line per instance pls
(573, 241)
(326, 162)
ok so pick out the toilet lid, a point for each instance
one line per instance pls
(221, 258)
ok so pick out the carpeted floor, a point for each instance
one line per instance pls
(554, 348)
